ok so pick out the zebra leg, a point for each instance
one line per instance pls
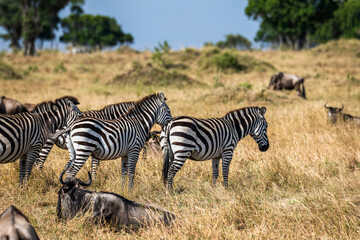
(175, 167)
(226, 160)
(32, 155)
(133, 157)
(94, 163)
(72, 154)
(215, 167)
(124, 170)
(39, 162)
(22, 169)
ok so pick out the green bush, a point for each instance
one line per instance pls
(60, 68)
(7, 72)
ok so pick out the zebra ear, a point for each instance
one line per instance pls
(162, 97)
(263, 111)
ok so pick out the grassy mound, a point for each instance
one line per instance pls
(231, 61)
(340, 47)
(7, 72)
(151, 76)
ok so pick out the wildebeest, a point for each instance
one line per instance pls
(15, 225)
(11, 106)
(29, 106)
(287, 81)
(335, 114)
(105, 207)
(152, 143)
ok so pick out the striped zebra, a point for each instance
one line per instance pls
(108, 112)
(123, 137)
(23, 135)
(214, 138)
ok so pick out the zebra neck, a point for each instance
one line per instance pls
(242, 122)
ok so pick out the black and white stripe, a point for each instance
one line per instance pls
(23, 135)
(109, 112)
(214, 138)
(123, 137)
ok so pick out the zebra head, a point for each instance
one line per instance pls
(68, 111)
(259, 130)
(163, 112)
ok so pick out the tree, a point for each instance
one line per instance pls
(11, 20)
(31, 20)
(93, 31)
(234, 41)
(291, 23)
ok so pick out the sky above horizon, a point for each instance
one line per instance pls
(185, 23)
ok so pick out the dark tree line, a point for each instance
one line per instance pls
(28, 21)
(299, 23)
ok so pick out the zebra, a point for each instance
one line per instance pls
(213, 138)
(23, 135)
(123, 137)
(109, 112)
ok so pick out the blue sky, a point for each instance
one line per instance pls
(185, 23)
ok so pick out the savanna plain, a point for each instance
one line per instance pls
(306, 186)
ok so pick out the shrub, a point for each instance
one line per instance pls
(7, 72)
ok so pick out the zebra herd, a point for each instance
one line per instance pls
(121, 130)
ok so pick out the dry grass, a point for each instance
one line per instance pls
(306, 186)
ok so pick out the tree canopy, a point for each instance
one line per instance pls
(298, 23)
(93, 31)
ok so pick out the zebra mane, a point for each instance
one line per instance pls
(238, 110)
(115, 104)
(74, 100)
(140, 101)
(46, 105)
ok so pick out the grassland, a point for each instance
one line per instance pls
(306, 186)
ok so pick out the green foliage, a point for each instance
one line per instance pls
(60, 68)
(93, 31)
(160, 51)
(290, 23)
(7, 72)
(234, 41)
(31, 20)
(245, 85)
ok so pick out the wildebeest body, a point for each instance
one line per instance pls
(287, 81)
(10, 106)
(106, 207)
(15, 225)
(335, 114)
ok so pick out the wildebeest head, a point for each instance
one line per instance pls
(333, 113)
(68, 196)
(15, 225)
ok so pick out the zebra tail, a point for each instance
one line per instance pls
(167, 155)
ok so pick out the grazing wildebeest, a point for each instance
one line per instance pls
(335, 113)
(152, 143)
(15, 225)
(105, 207)
(287, 81)
(11, 106)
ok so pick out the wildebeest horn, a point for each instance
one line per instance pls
(342, 107)
(66, 182)
(326, 106)
(87, 183)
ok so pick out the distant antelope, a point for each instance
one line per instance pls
(335, 113)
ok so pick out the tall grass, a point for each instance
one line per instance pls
(306, 186)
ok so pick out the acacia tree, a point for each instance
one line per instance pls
(291, 23)
(93, 31)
